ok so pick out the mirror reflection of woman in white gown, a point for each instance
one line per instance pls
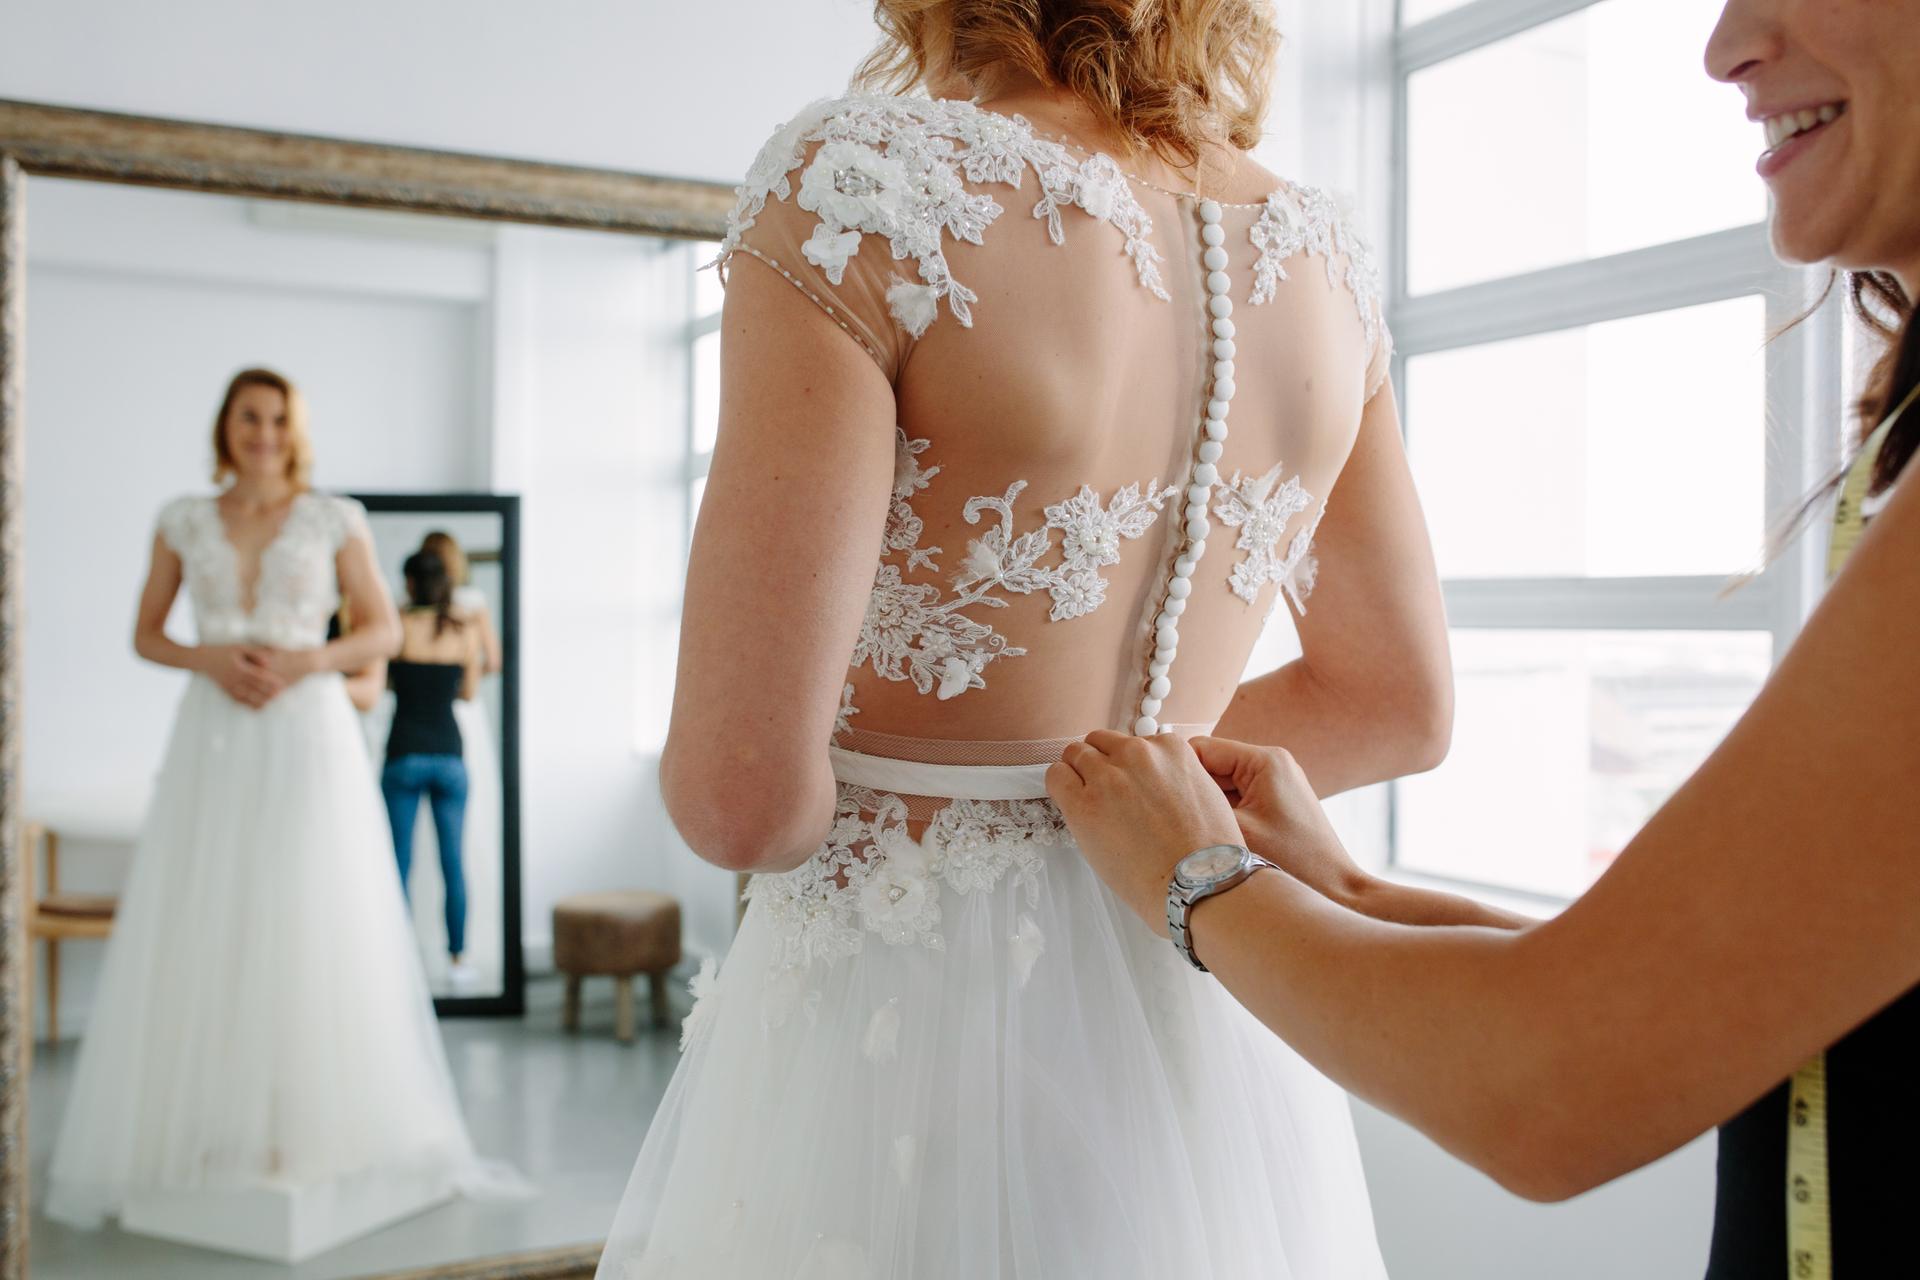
(262, 1018)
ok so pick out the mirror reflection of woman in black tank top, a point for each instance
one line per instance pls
(440, 662)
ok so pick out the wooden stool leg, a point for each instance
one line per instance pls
(623, 1008)
(53, 990)
(570, 1009)
(662, 1012)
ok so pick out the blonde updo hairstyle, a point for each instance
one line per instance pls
(1168, 76)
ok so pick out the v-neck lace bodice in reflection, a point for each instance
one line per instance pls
(295, 590)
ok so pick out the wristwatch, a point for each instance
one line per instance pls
(1201, 874)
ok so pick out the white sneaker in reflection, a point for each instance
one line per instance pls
(462, 976)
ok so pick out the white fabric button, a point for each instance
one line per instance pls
(1216, 428)
(1223, 349)
(1215, 258)
(1220, 308)
(1197, 526)
(1150, 706)
(1210, 450)
(1197, 548)
(1160, 687)
(1223, 369)
(1219, 282)
(1206, 474)
(1173, 608)
(1168, 635)
(1198, 493)
(1158, 669)
(1165, 654)
(1179, 589)
(1213, 233)
(1223, 327)
(1217, 410)
(1224, 389)
(1183, 568)
(1146, 726)
(1209, 211)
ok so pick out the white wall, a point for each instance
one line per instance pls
(595, 82)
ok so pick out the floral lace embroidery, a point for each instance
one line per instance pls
(1310, 220)
(872, 877)
(1261, 513)
(894, 167)
(912, 631)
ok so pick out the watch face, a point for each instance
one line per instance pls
(1209, 865)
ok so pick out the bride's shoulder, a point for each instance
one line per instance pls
(180, 512)
(336, 516)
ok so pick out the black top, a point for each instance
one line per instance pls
(423, 723)
(1873, 1144)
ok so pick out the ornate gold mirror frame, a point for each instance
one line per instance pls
(105, 147)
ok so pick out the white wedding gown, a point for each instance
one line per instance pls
(941, 1050)
(262, 1019)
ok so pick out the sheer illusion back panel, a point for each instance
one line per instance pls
(1043, 318)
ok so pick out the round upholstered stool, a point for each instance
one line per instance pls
(617, 934)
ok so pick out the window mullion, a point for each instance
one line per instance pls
(1665, 277)
(1702, 603)
(1472, 26)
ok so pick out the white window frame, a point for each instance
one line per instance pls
(699, 461)
(1803, 384)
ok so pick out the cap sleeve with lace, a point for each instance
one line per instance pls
(177, 521)
(346, 519)
(855, 199)
(1298, 218)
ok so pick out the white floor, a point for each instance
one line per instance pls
(569, 1111)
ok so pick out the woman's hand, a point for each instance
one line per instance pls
(243, 673)
(1137, 806)
(1281, 818)
(290, 666)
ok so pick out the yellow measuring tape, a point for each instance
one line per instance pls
(1809, 1205)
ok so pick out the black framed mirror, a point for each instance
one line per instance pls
(458, 847)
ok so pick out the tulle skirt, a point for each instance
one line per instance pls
(957, 1057)
(261, 1017)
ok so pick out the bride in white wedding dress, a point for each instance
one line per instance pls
(1039, 436)
(262, 1020)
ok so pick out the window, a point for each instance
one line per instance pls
(703, 391)
(1602, 434)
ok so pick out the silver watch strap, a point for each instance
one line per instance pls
(1182, 900)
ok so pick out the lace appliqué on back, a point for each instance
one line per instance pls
(872, 877)
(1261, 513)
(913, 631)
(897, 167)
(1309, 220)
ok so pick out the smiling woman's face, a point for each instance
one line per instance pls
(1835, 85)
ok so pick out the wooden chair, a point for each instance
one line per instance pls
(57, 917)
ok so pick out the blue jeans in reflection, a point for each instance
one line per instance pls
(443, 781)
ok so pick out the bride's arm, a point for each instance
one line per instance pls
(1371, 697)
(782, 562)
(231, 666)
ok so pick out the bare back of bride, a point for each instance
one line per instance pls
(1036, 390)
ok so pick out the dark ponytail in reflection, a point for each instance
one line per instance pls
(429, 586)
(1886, 310)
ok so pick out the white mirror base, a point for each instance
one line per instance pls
(283, 1222)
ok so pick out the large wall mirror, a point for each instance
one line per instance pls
(491, 361)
